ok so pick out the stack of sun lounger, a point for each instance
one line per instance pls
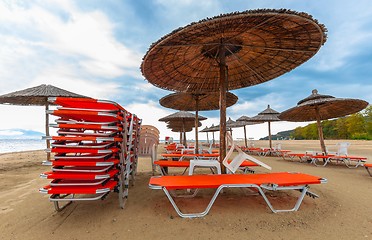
(95, 150)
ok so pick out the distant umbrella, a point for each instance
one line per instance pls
(268, 115)
(212, 129)
(206, 131)
(244, 120)
(320, 107)
(37, 96)
(182, 116)
(196, 102)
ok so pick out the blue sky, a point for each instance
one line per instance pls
(95, 48)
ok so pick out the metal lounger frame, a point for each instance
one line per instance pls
(273, 187)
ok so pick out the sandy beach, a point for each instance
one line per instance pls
(343, 210)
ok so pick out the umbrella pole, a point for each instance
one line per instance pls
(47, 128)
(245, 137)
(207, 138)
(180, 137)
(196, 124)
(269, 135)
(183, 130)
(223, 89)
(213, 139)
(184, 139)
(320, 131)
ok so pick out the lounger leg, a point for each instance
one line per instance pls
(192, 215)
(297, 205)
(370, 174)
(314, 160)
(56, 203)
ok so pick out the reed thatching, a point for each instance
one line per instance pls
(268, 115)
(180, 124)
(320, 107)
(244, 120)
(328, 107)
(37, 96)
(196, 101)
(232, 51)
(212, 129)
(260, 45)
(181, 115)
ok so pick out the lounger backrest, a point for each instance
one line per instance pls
(235, 163)
(342, 148)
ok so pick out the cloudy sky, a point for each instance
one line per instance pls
(95, 48)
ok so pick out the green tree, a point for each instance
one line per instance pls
(356, 126)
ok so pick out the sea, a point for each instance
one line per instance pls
(20, 145)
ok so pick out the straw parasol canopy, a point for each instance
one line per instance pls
(268, 115)
(232, 51)
(37, 96)
(244, 120)
(206, 131)
(211, 129)
(183, 117)
(320, 107)
(196, 102)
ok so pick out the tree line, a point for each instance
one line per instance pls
(355, 126)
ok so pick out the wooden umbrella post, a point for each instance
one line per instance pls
(47, 128)
(196, 123)
(223, 90)
(184, 132)
(320, 131)
(270, 145)
(245, 137)
(213, 143)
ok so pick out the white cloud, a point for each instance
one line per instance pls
(55, 31)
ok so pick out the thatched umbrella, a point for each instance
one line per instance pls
(320, 107)
(244, 120)
(196, 102)
(37, 96)
(183, 117)
(206, 131)
(232, 51)
(212, 129)
(268, 115)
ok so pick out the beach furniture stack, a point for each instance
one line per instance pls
(95, 151)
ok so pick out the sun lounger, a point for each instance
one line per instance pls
(181, 156)
(68, 193)
(368, 166)
(87, 103)
(350, 161)
(303, 157)
(93, 116)
(261, 182)
(95, 150)
(82, 162)
(88, 127)
(164, 164)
